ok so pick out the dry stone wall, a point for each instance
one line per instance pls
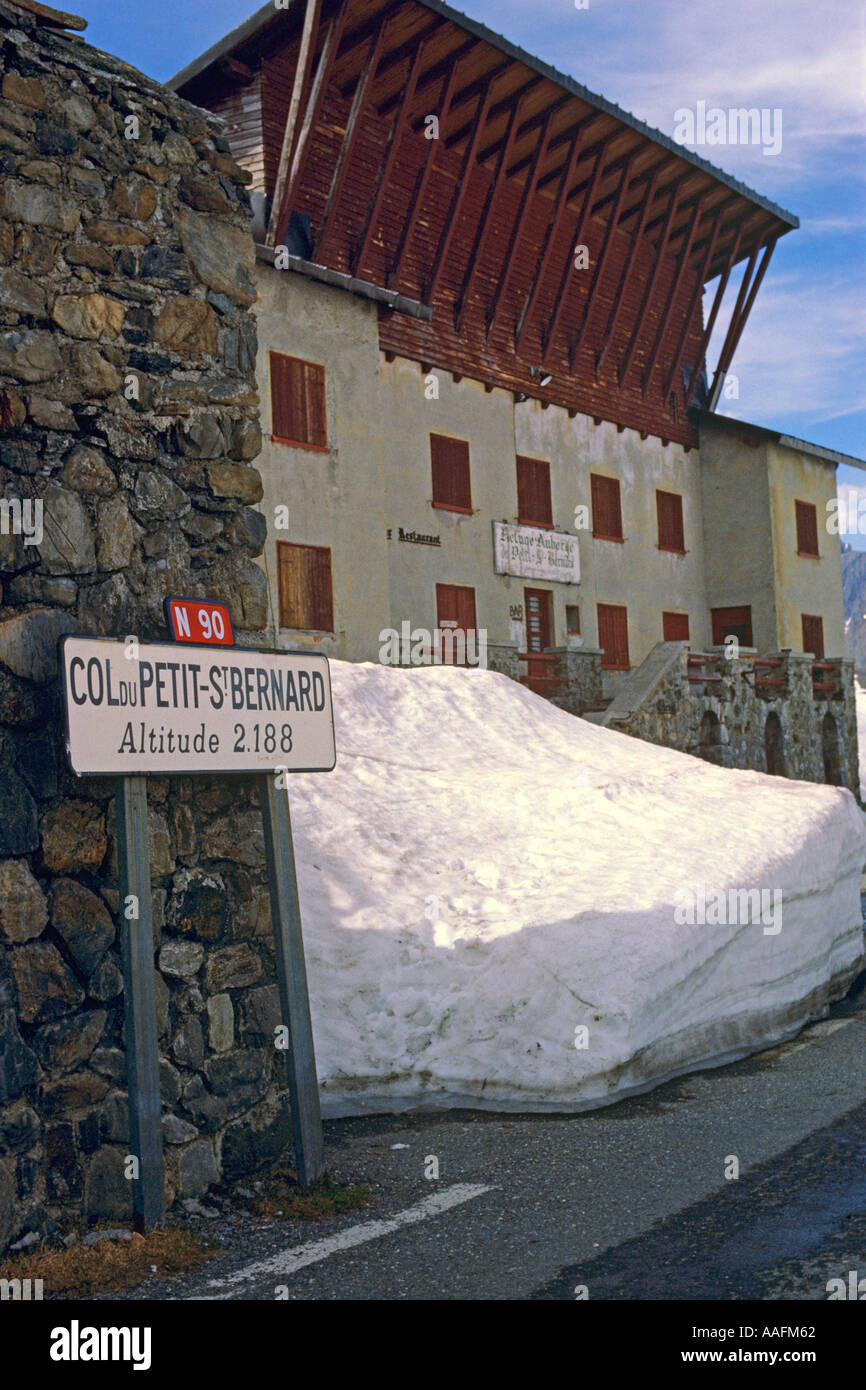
(128, 430)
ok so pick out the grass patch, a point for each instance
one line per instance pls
(282, 1195)
(111, 1266)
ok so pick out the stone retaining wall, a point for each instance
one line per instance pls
(128, 409)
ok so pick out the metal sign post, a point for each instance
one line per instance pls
(201, 707)
(139, 1002)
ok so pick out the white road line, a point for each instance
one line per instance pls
(289, 1261)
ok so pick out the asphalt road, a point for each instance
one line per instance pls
(630, 1202)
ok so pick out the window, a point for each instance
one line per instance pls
(732, 622)
(534, 507)
(298, 414)
(606, 510)
(455, 609)
(675, 627)
(813, 635)
(572, 619)
(306, 599)
(450, 460)
(613, 636)
(669, 507)
(807, 529)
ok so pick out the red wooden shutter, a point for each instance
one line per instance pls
(450, 463)
(292, 585)
(320, 600)
(606, 508)
(732, 622)
(534, 506)
(298, 409)
(807, 529)
(613, 636)
(669, 507)
(813, 635)
(675, 627)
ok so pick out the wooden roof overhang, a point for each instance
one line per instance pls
(481, 222)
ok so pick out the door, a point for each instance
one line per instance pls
(538, 624)
(732, 622)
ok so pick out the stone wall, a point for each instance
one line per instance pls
(719, 710)
(128, 410)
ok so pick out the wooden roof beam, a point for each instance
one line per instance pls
(453, 214)
(532, 123)
(387, 164)
(598, 276)
(619, 297)
(623, 372)
(738, 321)
(421, 181)
(525, 203)
(290, 133)
(504, 104)
(394, 57)
(441, 68)
(711, 321)
(568, 267)
(359, 101)
(693, 299)
(550, 235)
(671, 300)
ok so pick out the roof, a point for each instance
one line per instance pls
(788, 441)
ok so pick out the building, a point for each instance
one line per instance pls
(482, 353)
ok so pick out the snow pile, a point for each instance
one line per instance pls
(860, 697)
(483, 877)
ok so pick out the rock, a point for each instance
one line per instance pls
(199, 907)
(78, 111)
(248, 530)
(133, 198)
(168, 267)
(107, 1191)
(7, 1206)
(235, 480)
(246, 439)
(203, 440)
(239, 837)
(156, 494)
(187, 325)
(13, 413)
(110, 1062)
(116, 233)
(84, 923)
(19, 825)
(116, 534)
(67, 544)
(27, 91)
(106, 982)
(203, 194)
(100, 377)
(86, 471)
(18, 1065)
(198, 1169)
(31, 355)
(26, 1242)
(79, 1091)
(240, 1078)
(45, 984)
(209, 1112)
(73, 838)
(51, 414)
(177, 1131)
(188, 1046)
(114, 1122)
(20, 293)
(88, 315)
(182, 959)
(232, 967)
(67, 1044)
(176, 149)
(246, 1147)
(195, 1208)
(94, 1237)
(241, 584)
(88, 182)
(23, 907)
(21, 704)
(262, 1014)
(30, 202)
(223, 256)
(20, 1126)
(221, 1022)
(28, 643)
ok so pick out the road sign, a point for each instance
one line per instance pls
(199, 620)
(136, 708)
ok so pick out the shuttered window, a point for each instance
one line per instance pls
(306, 596)
(572, 619)
(669, 507)
(675, 627)
(450, 461)
(732, 622)
(606, 509)
(613, 636)
(298, 414)
(807, 529)
(534, 506)
(813, 635)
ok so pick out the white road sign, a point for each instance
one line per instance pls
(171, 708)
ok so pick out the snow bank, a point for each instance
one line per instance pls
(860, 697)
(483, 876)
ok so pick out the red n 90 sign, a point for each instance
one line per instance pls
(199, 620)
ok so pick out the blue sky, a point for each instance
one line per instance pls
(800, 363)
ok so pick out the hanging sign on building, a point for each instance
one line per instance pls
(134, 708)
(532, 552)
